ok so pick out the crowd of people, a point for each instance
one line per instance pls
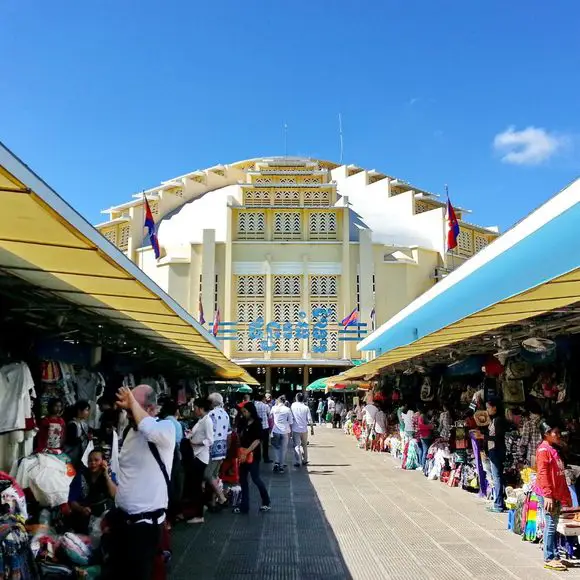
(505, 443)
(151, 465)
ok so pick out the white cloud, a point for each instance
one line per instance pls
(531, 146)
(413, 101)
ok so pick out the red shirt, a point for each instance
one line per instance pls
(551, 481)
(424, 428)
(51, 434)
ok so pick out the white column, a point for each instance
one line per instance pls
(366, 271)
(346, 302)
(305, 304)
(208, 273)
(228, 283)
(268, 309)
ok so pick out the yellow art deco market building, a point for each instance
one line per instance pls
(285, 248)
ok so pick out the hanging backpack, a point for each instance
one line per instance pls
(427, 392)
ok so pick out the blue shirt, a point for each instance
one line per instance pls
(178, 428)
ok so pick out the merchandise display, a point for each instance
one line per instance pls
(440, 422)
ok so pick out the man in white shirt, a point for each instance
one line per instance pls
(142, 494)
(281, 432)
(302, 419)
(264, 412)
(337, 419)
(331, 404)
(221, 436)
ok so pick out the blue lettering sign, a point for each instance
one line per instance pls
(302, 331)
(319, 330)
(269, 333)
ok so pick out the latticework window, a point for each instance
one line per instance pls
(331, 308)
(124, 232)
(257, 197)
(465, 242)
(288, 344)
(287, 311)
(250, 307)
(287, 285)
(287, 198)
(246, 344)
(421, 207)
(288, 179)
(316, 198)
(154, 205)
(312, 180)
(323, 285)
(480, 242)
(263, 180)
(332, 340)
(251, 286)
(251, 225)
(322, 226)
(285, 168)
(287, 226)
(250, 311)
(111, 235)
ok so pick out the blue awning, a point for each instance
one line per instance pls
(532, 269)
(540, 248)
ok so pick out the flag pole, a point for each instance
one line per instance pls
(340, 137)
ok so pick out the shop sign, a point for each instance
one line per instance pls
(269, 333)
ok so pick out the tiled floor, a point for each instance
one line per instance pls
(354, 515)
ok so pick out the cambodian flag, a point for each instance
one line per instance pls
(216, 323)
(452, 227)
(200, 308)
(152, 231)
(351, 319)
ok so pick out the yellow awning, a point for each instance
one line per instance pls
(44, 241)
(551, 295)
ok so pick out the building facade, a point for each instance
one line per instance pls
(286, 248)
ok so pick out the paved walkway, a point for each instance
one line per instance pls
(354, 515)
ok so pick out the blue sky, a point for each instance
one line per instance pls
(106, 98)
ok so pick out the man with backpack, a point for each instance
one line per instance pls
(142, 494)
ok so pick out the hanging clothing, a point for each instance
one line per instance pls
(51, 435)
(16, 394)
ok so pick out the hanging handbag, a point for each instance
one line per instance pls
(513, 391)
(245, 456)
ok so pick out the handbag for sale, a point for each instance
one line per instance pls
(245, 456)
(513, 391)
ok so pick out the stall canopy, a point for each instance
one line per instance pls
(317, 385)
(532, 270)
(46, 243)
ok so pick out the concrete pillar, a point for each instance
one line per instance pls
(346, 303)
(137, 231)
(268, 306)
(366, 271)
(208, 273)
(305, 303)
(228, 282)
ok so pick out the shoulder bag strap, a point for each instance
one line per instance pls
(155, 453)
(156, 456)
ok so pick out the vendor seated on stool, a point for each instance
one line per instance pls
(92, 492)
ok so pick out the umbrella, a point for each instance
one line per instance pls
(244, 389)
(317, 385)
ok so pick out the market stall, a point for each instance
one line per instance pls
(498, 340)
(79, 320)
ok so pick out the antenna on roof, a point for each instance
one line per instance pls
(340, 137)
(285, 139)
